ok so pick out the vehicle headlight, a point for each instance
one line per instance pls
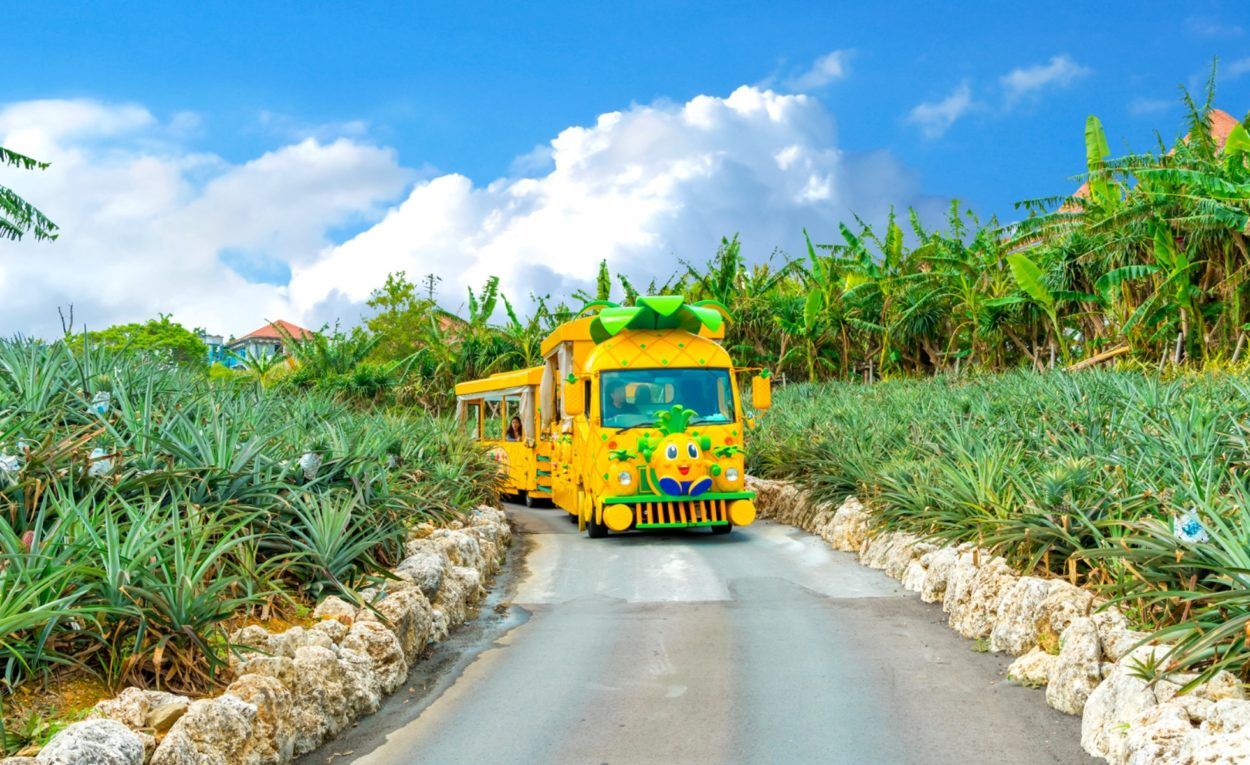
(625, 478)
(731, 474)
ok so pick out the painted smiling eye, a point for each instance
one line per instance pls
(671, 451)
(693, 451)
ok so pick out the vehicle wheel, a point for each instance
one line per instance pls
(722, 529)
(596, 530)
(529, 501)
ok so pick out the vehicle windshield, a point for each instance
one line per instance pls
(632, 397)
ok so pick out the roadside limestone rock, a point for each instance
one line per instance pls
(440, 625)
(975, 619)
(386, 655)
(95, 742)
(218, 730)
(461, 548)
(1077, 670)
(18, 760)
(1015, 624)
(906, 548)
(407, 614)
(1116, 643)
(363, 688)
(959, 583)
(335, 629)
(280, 668)
(1161, 734)
(490, 550)
(322, 697)
(1219, 750)
(461, 588)
(273, 730)
(936, 573)
(1032, 669)
(425, 567)
(850, 525)
(1061, 605)
(1229, 715)
(1118, 700)
(335, 608)
(254, 640)
(914, 576)
(876, 549)
(823, 522)
(485, 515)
(139, 709)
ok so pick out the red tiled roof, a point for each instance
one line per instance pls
(270, 332)
(1222, 123)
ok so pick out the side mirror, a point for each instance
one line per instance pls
(573, 397)
(762, 391)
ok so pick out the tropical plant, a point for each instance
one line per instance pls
(17, 216)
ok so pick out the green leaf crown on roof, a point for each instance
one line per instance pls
(655, 312)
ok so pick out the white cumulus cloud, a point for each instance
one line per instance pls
(145, 222)
(640, 188)
(1060, 71)
(150, 225)
(936, 117)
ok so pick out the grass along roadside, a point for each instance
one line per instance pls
(146, 510)
(1129, 484)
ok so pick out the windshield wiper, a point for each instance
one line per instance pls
(711, 419)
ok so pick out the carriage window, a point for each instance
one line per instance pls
(472, 422)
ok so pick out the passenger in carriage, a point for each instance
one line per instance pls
(514, 430)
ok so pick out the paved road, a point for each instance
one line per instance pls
(763, 646)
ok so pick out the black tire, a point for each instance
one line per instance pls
(728, 527)
(527, 499)
(596, 530)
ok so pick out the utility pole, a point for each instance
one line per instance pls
(430, 281)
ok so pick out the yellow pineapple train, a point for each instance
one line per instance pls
(633, 421)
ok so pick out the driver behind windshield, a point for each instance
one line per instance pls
(620, 402)
(621, 411)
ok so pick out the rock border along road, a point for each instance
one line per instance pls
(762, 646)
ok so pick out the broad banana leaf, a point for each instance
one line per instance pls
(1030, 280)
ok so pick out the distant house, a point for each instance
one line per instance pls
(216, 347)
(266, 341)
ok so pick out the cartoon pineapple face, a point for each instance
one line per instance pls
(621, 478)
(728, 475)
(677, 461)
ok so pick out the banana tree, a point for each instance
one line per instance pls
(805, 335)
(17, 216)
(1174, 292)
(1031, 282)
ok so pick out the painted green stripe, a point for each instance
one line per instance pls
(543, 472)
(637, 498)
(541, 458)
(679, 525)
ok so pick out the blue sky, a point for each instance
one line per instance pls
(982, 102)
(470, 86)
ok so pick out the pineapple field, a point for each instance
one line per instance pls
(146, 509)
(1130, 484)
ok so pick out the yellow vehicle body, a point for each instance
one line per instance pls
(633, 421)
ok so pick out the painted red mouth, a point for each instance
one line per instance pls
(683, 469)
